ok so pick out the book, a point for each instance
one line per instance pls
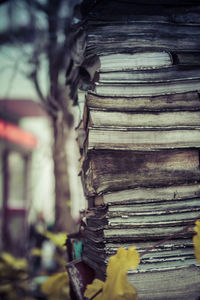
(161, 11)
(156, 251)
(167, 282)
(175, 73)
(147, 219)
(135, 61)
(147, 89)
(134, 233)
(164, 280)
(139, 196)
(158, 208)
(174, 119)
(169, 255)
(152, 249)
(177, 256)
(110, 170)
(183, 101)
(140, 36)
(142, 139)
(145, 214)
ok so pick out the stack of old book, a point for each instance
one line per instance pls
(141, 153)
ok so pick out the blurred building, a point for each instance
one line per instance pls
(16, 147)
(27, 176)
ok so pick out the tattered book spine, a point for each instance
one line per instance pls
(105, 170)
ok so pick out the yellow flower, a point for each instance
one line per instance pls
(92, 289)
(116, 286)
(196, 241)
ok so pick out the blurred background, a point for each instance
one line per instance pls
(39, 155)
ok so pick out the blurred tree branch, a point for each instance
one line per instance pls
(48, 34)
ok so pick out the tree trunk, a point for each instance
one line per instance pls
(63, 219)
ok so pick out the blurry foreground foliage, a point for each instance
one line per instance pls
(13, 274)
(57, 287)
(17, 280)
(16, 277)
(59, 239)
